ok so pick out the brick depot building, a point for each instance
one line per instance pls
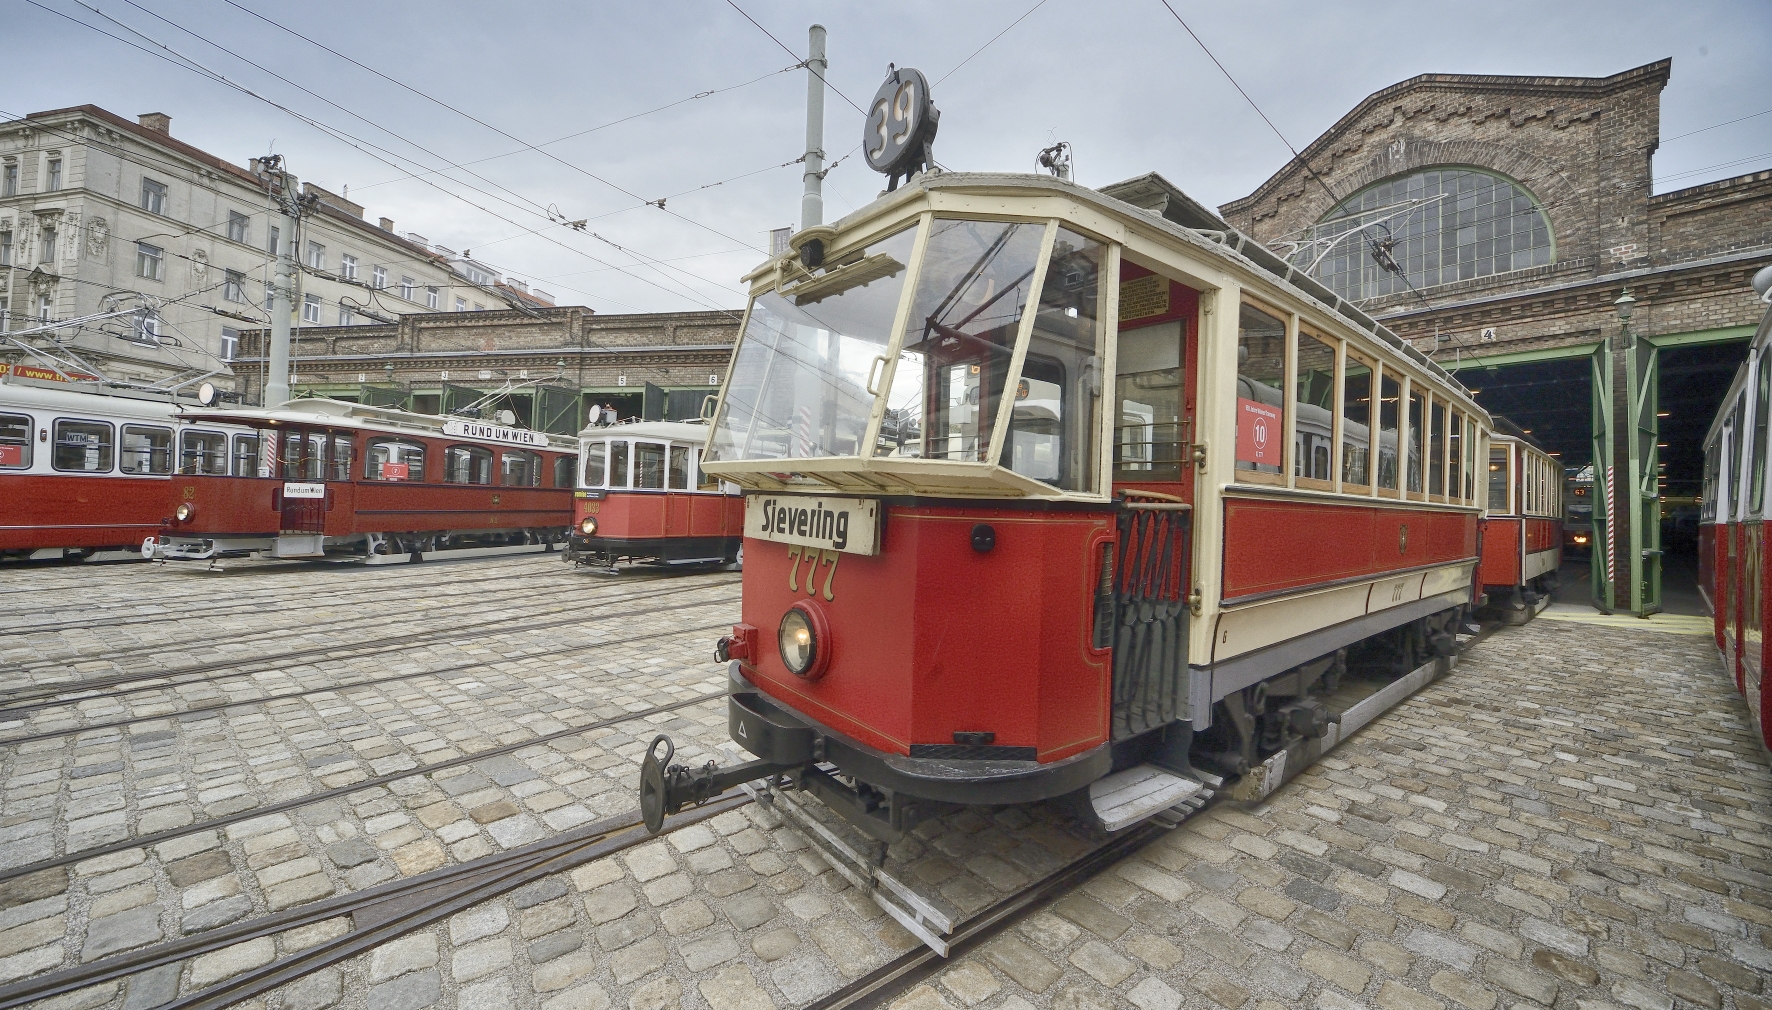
(1496, 221)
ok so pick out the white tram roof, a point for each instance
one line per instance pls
(690, 432)
(88, 398)
(345, 414)
(1762, 337)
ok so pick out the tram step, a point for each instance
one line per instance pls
(1127, 797)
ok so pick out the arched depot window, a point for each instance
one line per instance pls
(1420, 230)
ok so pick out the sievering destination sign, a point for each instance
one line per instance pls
(494, 432)
(850, 525)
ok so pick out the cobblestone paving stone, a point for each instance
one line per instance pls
(1591, 835)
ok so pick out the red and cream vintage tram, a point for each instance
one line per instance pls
(643, 497)
(1523, 526)
(1056, 492)
(84, 467)
(347, 481)
(1732, 570)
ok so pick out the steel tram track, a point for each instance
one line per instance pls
(36, 692)
(370, 682)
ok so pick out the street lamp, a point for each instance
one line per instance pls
(1624, 305)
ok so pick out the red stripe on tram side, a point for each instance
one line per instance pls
(1276, 546)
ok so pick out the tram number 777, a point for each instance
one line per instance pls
(813, 557)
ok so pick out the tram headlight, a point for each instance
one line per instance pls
(798, 642)
(185, 511)
(588, 527)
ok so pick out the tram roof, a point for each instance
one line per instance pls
(1762, 336)
(691, 432)
(345, 414)
(1151, 201)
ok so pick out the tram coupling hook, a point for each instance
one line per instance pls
(667, 788)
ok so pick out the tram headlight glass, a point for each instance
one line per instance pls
(184, 511)
(588, 527)
(798, 642)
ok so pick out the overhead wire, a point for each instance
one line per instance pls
(987, 45)
(790, 52)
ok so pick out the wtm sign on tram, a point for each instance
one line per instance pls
(850, 525)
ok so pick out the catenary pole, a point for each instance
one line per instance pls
(812, 202)
(282, 304)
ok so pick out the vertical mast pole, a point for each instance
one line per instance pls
(282, 304)
(812, 202)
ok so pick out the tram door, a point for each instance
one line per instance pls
(301, 462)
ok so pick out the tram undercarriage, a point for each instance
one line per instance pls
(361, 548)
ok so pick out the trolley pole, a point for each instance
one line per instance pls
(812, 202)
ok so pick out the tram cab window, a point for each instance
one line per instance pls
(1417, 409)
(393, 459)
(519, 468)
(145, 449)
(1261, 397)
(1314, 429)
(203, 452)
(246, 456)
(1455, 456)
(798, 385)
(467, 464)
(618, 463)
(343, 448)
(1147, 394)
(704, 481)
(649, 466)
(1356, 424)
(1390, 394)
(595, 457)
(15, 441)
(1052, 421)
(563, 467)
(677, 478)
(1498, 478)
(83, 446)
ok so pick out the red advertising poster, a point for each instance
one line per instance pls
(12, 455)
(1258, 433)
(396, 471)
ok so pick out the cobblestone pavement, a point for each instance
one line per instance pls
(1488, 844)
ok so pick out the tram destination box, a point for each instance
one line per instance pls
(849, 525)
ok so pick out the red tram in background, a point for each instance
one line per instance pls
(1732, 564)
(346, 481)
(643, 497)
(84, 468)
(1523, 526)
(1058, 493)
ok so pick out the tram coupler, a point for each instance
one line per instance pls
(666, 788)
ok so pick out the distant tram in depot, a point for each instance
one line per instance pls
(1054, 493)
(1733, 573)
(1523, 527)
(643, 498)
(332, 480)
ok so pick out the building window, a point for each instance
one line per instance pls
(271, 245)
(381, 278)
(148, 328)
(153, 196)
(347, 267)
(45, 308)
(9, 179)
(461, 305)
(230, 343)
(6, 246)
(406, 286)
(316, 256)
(479, 308)
(53, 177)
(237, 226)
(150, 261)
(234, 286)
(1421, 230)
(48, 245)
(345, 316)
(432, 298)
(310, 308)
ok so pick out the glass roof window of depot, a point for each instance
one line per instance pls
(798, 387)
(1261, 390)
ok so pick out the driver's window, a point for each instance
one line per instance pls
(1147, 396)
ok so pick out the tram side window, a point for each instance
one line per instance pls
(15, 441)
(519, 468)
(1313, 440)
(1436, 448)
(1708, 506)
(1417, 408)
(1763, 394)
(1261, 397)
(595, 457)
(1455, 456)
(678, 477)
(1470, 459)
(618, 464)
(83, 446)
(1147, 392)
(303, 456)
(203, 452)
(1389, 397)
(343, 449)
(704, 481)
(467, 464)
(563, 467)
(1498, 478)
(393, 459)
(1737, 452)
(649, 466)
(145, 449)
(1052, 422)
(1356, 424)
(246, 456)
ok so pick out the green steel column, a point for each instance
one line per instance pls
(1603, 554)
(1642, 431)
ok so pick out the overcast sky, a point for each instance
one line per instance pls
(1122, 81)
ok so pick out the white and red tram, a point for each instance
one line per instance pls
(644, 498)
(1051, 494)
(84, 468)
(1523, 525)
(347, 481)
(1733, 572)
